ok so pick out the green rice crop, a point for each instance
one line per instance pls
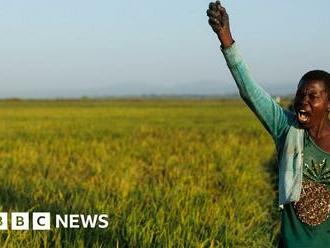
(168, 172)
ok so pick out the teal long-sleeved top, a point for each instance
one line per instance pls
(280, 123)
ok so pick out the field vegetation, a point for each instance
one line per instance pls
(169, 173)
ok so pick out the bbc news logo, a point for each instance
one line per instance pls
(42, 221)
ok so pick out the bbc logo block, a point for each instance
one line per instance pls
(40, 221)
(21, 221)
(3, 221)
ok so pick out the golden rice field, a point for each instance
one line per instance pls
(169, 173)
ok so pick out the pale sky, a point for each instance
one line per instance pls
(101, 47)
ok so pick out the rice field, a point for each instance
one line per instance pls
(167, 172)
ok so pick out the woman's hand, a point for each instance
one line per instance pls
(219, 21)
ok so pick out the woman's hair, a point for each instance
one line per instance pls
(318, 75)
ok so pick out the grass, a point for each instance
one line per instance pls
(169, 173)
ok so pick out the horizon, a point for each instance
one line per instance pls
(273, 90)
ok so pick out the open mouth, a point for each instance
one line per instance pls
(303, 116)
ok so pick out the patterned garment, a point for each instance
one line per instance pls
(306, 223)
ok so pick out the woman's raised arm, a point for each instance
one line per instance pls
(273, 116)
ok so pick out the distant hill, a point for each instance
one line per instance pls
(199, 89)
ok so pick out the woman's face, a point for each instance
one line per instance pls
(311, 103)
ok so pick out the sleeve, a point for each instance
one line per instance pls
(273, 117)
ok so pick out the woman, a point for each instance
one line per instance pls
(302, 141)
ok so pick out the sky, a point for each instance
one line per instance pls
(101, 48)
